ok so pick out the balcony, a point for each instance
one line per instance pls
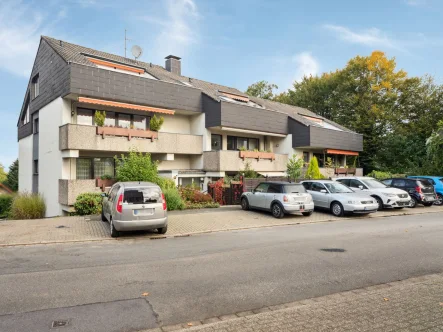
(231, 161)
(79, 137)
(68, 190)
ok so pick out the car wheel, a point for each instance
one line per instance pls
(103, 216)
(428, 204)
(439, 200)
(380, 203)
(244, 204)
(413, 203)
(337, 209)
(307, 214)
(277, 210)
(114, 232)
(162, 230)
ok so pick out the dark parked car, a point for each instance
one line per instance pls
(420, 190)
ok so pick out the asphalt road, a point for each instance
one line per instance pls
(98, 287)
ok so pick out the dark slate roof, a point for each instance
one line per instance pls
(76, 54)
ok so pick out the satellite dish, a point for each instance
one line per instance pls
(136, 51)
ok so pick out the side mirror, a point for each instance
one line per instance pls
(324, 191)
(104, 195)
(253, 191)
(360, 187)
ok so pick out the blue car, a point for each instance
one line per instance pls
(437, 182)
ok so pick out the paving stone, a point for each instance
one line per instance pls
(245, 313)
(413, 306)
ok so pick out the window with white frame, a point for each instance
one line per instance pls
(35, 86)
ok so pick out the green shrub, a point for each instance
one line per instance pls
(137, 167)
(156, 123)
(380, 175)
(294, 167)
(313, 172)
(28, 206)
(106, 177)
(5, 205)
(166, 183)
(88, 203)
(173, 199)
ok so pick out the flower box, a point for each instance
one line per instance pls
(127, 132)
(104, 183)
(257, 155)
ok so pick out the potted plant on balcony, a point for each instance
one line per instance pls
(99, 118)
(104, 181)
(156, 123)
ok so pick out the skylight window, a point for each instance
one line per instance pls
(318, 122)
(119, 67)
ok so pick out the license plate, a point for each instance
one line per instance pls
(144, 212)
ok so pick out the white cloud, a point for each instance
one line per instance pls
(20, 30)
(306, 65)
(372, 37)
(179, 28)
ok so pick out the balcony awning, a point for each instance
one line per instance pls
(342, 152)
(124, 105)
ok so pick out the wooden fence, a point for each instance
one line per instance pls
(231, 193)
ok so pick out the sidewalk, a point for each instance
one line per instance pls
(181, 223)
(411, 305)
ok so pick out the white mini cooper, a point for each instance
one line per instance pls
(279, 198)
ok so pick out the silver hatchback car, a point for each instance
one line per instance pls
(134, 206)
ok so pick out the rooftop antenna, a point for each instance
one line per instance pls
(136, 51)
(126, 39)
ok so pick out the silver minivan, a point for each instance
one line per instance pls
(135, 206)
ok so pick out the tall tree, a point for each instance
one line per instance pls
(262, 89)
(372, 97)
(12, 178)
(3, 174)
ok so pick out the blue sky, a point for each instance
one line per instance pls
(231, 42)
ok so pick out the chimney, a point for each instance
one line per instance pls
(173, 64)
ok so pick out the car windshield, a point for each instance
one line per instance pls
(294, 189)
(372, 183)
(142, 195)
(337, 188)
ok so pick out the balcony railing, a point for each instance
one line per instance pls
(68, 190)
(233, 161)
(80, 137)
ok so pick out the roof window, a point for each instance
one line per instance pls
(119, 67)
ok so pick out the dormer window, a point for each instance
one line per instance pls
(243, 99)
(119, 67)
(318, 122)
(35, 86)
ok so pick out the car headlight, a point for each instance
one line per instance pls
(390, 195)
(353, 202)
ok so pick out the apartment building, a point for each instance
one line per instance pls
(209, 130)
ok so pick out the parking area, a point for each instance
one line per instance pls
(181, 223)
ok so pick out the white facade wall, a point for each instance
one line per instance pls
(51, 164)
(282, 145)
(177, 123)
(25, 162)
